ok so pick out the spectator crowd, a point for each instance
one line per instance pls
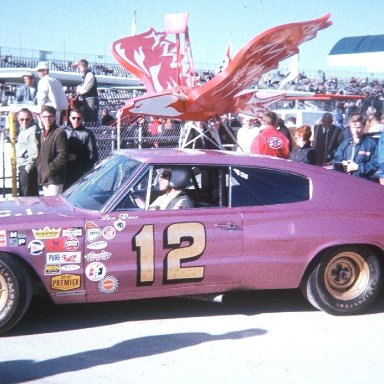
(54, 153)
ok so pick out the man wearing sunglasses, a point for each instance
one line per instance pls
(83, 153)
(53, 156)
(27, 151)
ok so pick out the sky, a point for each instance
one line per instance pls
(90, 26)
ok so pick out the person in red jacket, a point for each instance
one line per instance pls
(270, 141)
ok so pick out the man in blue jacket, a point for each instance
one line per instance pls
(357, 155)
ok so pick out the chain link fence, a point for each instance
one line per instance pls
(137, 135)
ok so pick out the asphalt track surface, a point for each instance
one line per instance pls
(264, 337)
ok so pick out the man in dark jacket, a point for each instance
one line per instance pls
(83, 153)
(53, 156)
(326, 139)
(358, 154)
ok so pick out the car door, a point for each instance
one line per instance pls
(140, 253)
(272, 204)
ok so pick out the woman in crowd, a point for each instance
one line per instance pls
(303, 152)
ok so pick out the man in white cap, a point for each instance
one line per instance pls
(26, 94)
(50, 91)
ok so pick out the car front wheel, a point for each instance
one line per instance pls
(15, 292)
(345, 281)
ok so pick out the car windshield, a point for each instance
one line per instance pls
(98, 186)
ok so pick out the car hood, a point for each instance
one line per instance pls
(35, 206)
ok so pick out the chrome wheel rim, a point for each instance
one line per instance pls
(3, 292)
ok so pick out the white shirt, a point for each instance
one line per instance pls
(245, 137)
(50, 92)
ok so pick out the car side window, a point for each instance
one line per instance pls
(261, 186)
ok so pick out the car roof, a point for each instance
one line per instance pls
(197, 156)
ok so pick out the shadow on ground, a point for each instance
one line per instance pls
(45, 317)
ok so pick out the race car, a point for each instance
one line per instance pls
(251, 223)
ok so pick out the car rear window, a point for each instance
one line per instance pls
(260, 186)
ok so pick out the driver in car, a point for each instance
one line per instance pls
(172, 182)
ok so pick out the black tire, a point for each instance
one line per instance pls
(345, 281)
(15, 292)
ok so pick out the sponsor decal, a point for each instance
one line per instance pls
(65, 282)
(72, 232)
(17, 238)
(97, 245)
(119, 225)
(72, 244)
(57, 269)
(274, 142)
(46, 233)
(22, 241)
(63, 257)
(57, 245)
(3, 238)
(108, 284)
(52, 269)
(93, 256)
(17, 234)
(92, 231)
(13, 242)
(70, 267)
(36, 247)
(95, 271)
(109, 232)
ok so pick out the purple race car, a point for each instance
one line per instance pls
(245, 222)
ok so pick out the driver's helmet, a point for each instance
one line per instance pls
(178, 176)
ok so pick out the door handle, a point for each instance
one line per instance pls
(226, 226)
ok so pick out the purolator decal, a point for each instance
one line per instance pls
(65, 282)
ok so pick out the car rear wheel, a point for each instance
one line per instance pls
(345, 281)
(15, 292)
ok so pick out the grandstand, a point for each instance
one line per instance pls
(116, 85)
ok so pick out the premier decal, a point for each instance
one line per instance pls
(66, 282)
(46, 233)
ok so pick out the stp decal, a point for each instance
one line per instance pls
(274, 143)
